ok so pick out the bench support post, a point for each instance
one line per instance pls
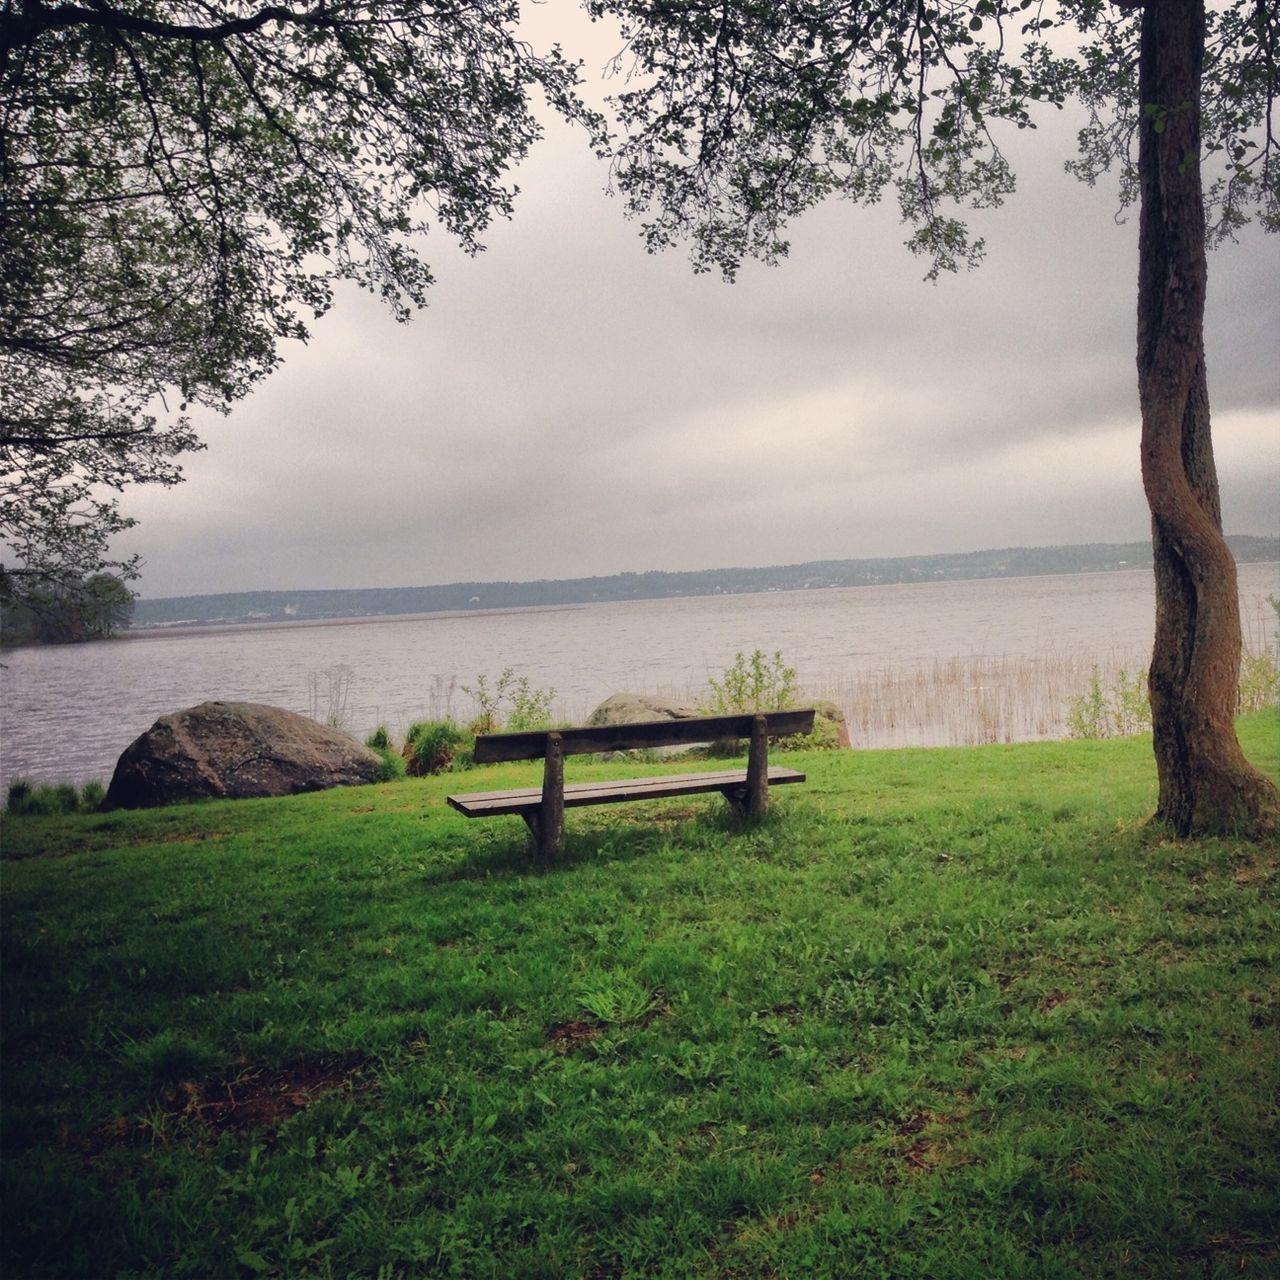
(751, 799)
(549, 828)
(758, 769)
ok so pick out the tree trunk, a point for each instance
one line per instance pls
(1206, 784)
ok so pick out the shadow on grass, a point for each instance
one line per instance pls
(622, 837)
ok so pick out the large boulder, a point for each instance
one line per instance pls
(236, 750)
(634, 708)
(837, 730)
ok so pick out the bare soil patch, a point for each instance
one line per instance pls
(566, 1037)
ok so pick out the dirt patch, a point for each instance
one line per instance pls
(566, 1037)
(931, 1143)
(250, 1098)
(258, 1098)
(1252, 872)
(918, 1122)
(1005, 980)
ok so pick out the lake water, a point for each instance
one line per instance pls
(990, 660)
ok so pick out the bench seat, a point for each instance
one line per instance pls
(484, 804)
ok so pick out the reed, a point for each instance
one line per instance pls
(968, 701)
(958, 701)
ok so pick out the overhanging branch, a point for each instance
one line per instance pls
(34, 19)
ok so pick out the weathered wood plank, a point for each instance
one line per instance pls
(551, 815)
(494, 748)
(483, 804)
(757, 789)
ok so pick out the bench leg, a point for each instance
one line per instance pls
(751, 800)
(548, 830)
(758, 769)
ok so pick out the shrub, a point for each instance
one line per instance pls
(92, 796)
(431, 745)
(512, 703)
(756, 683)
(393, 764)
(43, 802)
(19, 796)
(530, 707)
(1123, 709)
(825, 737)
(1259, 680)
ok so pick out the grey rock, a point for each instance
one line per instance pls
(236, 750)
(635, 708)
(830, 712)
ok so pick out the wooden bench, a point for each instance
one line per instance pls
(542, 808)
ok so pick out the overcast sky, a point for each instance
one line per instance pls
(569, 405)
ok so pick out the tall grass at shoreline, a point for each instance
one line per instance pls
(970, 701)
(957, 701)
(948, 702)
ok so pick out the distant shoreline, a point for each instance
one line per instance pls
(294, 624)
(214, 627)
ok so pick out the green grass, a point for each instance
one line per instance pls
(952, 1013)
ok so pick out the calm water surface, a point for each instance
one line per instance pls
(67, 712)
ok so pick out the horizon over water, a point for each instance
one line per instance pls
(930, 663)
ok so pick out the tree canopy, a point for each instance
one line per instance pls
(181, 184)
(744, 114)
(66, 612)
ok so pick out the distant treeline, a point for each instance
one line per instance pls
(372, 602)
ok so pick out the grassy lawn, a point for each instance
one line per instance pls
(946, 1013)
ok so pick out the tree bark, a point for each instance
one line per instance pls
(1206, 784)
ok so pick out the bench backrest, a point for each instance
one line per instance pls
(492, 748)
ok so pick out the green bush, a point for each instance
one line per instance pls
(756, 683)
(1116, 712)
(393, 764)
(825, 737)
(92, 797)
(1259, 681)
(42, 802)
(430, 746)
(511, 704)
(1125, 707)
(19, 796)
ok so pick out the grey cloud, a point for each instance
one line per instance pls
(571, 405)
